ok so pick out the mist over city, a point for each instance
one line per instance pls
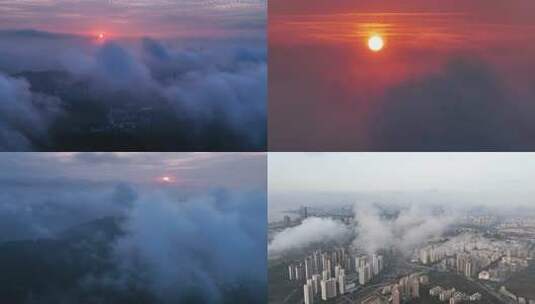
(401, 228)
(132, 228)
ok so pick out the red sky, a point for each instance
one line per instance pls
(321, 69)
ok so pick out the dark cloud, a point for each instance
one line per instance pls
(100, 158)
(464, 107)
(142, 95)
(116, 241)
(24, 116)
(46, 210)
(31, 33)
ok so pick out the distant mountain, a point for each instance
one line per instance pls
(31, 33)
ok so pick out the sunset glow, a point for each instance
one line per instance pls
(140, 18)
(360, 74)
(376, 43)
(167, 179)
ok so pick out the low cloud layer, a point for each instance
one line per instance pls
(375, 228)
(466, 106)
(199, 250)
(409, 228)
(311, 231)
(24, 116)
(42, 212)
(140, 239)
(143, 94)
(414, 99)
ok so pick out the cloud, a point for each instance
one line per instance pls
(96, 158)
(464, 107)
(45, 211)
(209, 18)
(311, 231)
(24, 116)
(203, 249)
(144, 95)
(410, 227)
(375, 227)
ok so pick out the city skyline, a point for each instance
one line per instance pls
(392, 228)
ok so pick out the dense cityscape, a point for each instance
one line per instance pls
(479, 259)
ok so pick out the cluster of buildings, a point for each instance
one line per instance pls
(517, 222)
(326, 273)
(481, 220)
(368, 267)
(325, 286)
(503, 269)
(475, 256)
(453, 296)
(408, 287)
(516, 299)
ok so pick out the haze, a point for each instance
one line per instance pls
(490, 179)
(156, 18)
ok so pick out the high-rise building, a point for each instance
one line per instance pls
(290, 272)
(361, 261)
(308, 268)
(468, 269)
(328, 289)
(329, 268)
(415, 287)
(365, 274)
(347, 263)
(396, 296)
(334, 258)
(316, 279)
(309, 293)
(342, 282)
(325, 275)
(316, 262)
(299, 273)
(381, 263)
(324, 259)
(375, 264)
(424, 255)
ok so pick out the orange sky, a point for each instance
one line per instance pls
(322, 70)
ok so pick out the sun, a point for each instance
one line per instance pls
(167, 179)
(376, 43)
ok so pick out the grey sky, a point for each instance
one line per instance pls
(192, 170)
(507, 173)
